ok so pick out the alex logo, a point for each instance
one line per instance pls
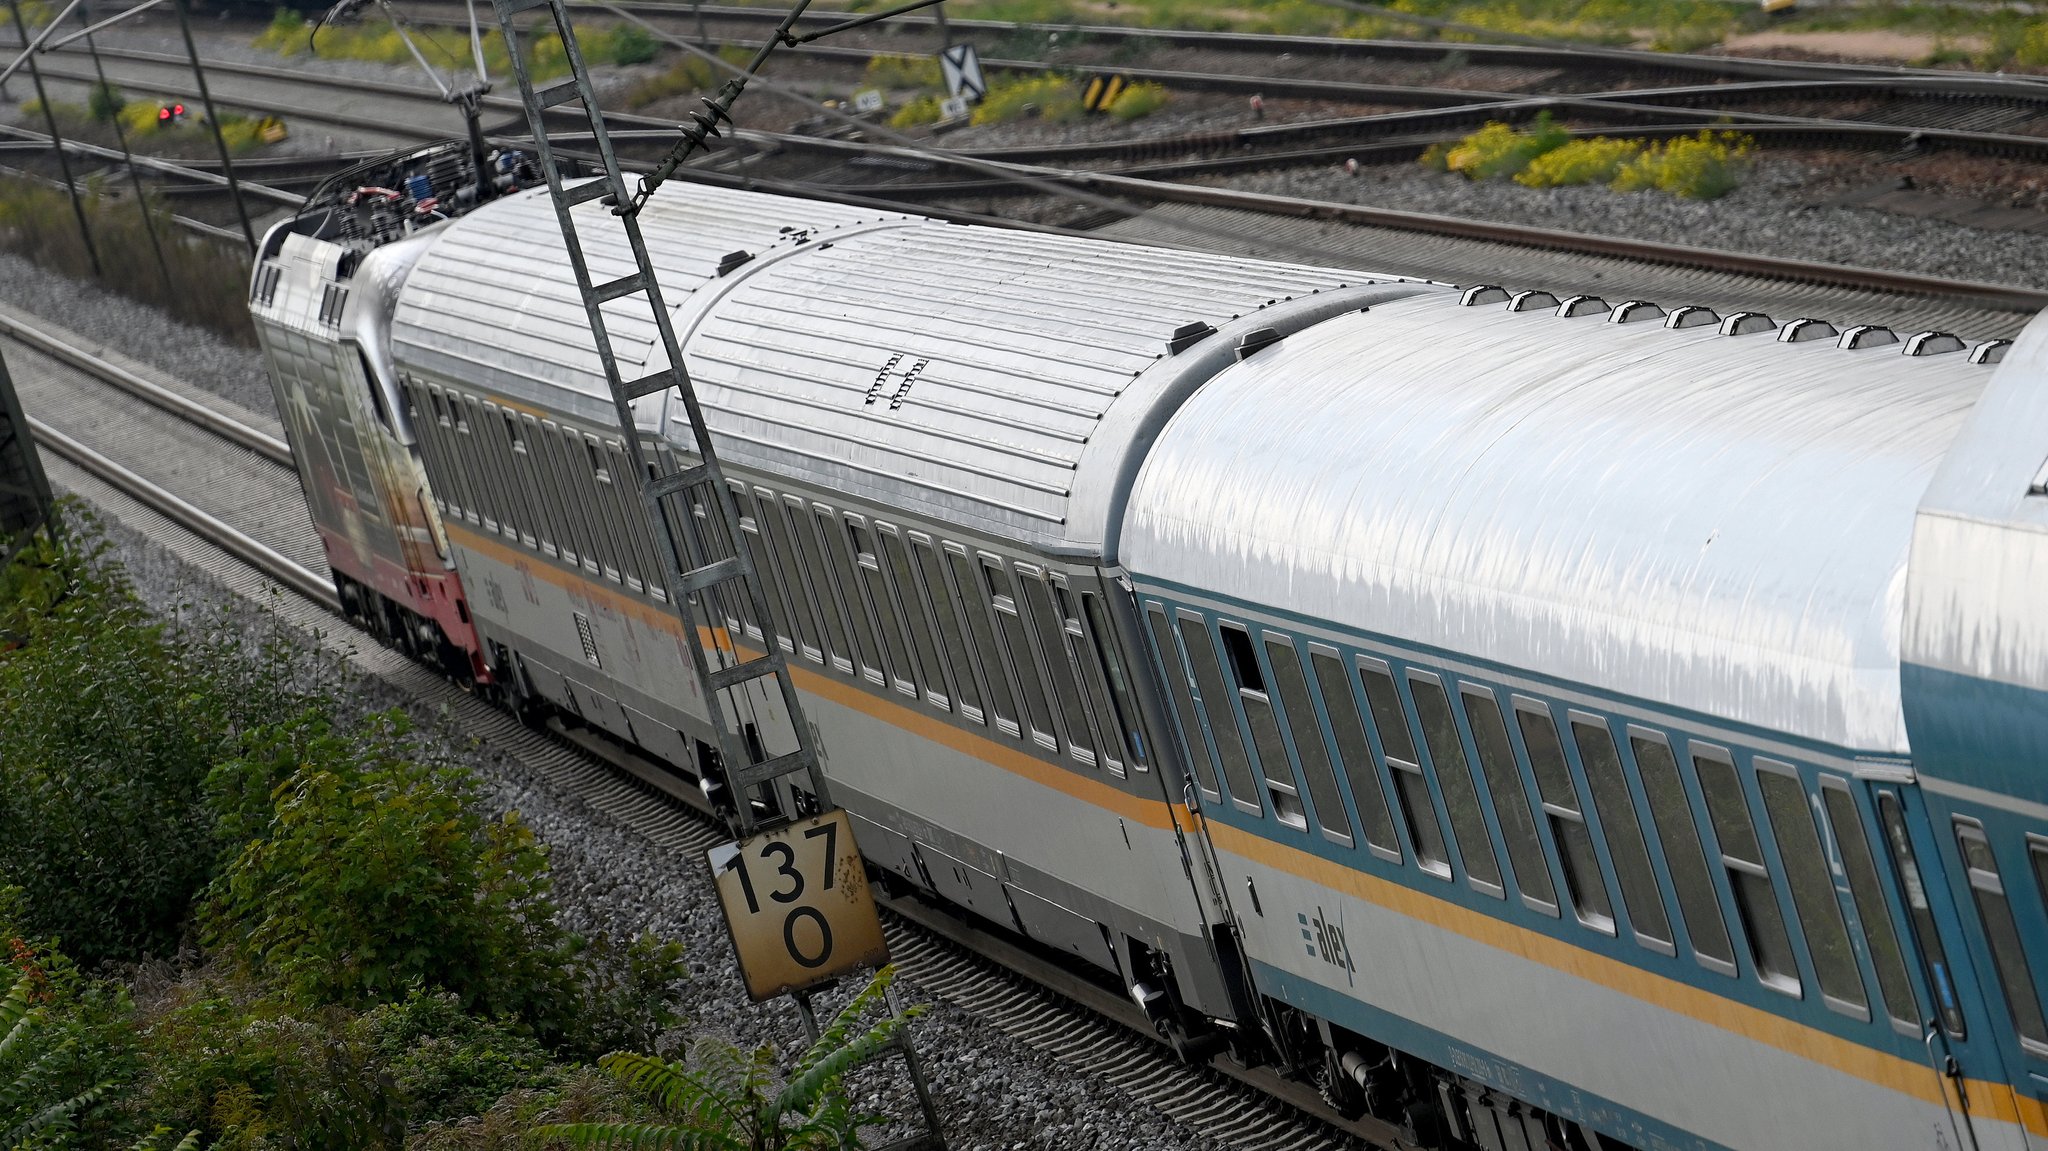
(1325, 940)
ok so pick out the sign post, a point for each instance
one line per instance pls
(961, 66)
(796, 900)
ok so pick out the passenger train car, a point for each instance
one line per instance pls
(1538, 723)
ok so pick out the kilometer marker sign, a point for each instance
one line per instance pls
(797, 904)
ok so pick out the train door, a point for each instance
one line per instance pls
(1963, 1050)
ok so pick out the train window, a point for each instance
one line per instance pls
(576, 490)
(868, 566)
(2002, 933)
(1454, 778)
(1786, 804)
(910, 608)
(831, 607)
(524, 493)
(796, 600)
(611, 549)
(1230, 752)
(1023, 669)
(1565, 812)
(1367, 793)
(865, 649)
(1886, 957)
(757, 551)
(1510, 798)
(1919, 914)
(478, 462)
(1089, 668)
(974, 606)
(541, 438)
(1258, 715)
(732, 597)
(1291, 687)
(1742, 858)
(1640, 892)
(1424, 830)
(1176, 674)
(1123, 710)
(433, 447)
(1671, 814)
(502, 501)
(636, 531)
(534, 463)
(933, 575)
(1045, 628)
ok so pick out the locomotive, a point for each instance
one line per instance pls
(1538, 722)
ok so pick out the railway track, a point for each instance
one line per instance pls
(207, 480)
(1403, 242)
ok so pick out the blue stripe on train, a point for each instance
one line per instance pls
(1977, 731)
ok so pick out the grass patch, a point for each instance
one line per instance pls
(1138, 100)
(208, 281)
(903, 72)
(691, 73)
(1701, 167)
(921, 111)
(380, 42)
(1054, 98)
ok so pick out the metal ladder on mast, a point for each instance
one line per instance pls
(692, 575)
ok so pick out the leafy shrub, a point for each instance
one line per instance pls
(1498, 150)
(1138, 100)
(36, 1106)
(729, 1098)
(380, 872)
(2032, 49)
(630, 44)
(109, 723)
(444, 1063)
(923, 110)
(63, 1042)
(1700, 167)
(1057, 99)
(286, 33)
(903, 72)
(104, 103)
(1594, 161)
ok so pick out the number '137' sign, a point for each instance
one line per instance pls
(796, 901)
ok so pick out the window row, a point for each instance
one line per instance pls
(993, 641)
(548, 487)
(2017, 974)
(1440, 770)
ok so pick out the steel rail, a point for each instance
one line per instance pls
(313, 585)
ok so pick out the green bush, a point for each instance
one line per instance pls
(1138, 100)
(630, 44)
(1057, 99)
(1701, 167)
(105, 103)
(923, 110)
(379, 872)
(443, 1063)
(110, 721)
(903, 72)
(1500, 150)
(65, 1043)
(1595, 161)
(2031, 51)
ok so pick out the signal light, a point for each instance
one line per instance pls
(170, 113)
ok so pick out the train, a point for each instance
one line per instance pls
(1538, 722)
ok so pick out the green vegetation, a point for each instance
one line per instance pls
(728, 1099)
(327, 943)
(903, 72)
(691, 73)
(1138, 100)
(380, 41)
(1701, 167)
(1054, 98)
(921, 110)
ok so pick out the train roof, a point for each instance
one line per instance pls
(1714, 523)
(1006, 381)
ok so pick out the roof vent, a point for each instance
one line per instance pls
(1532, 301)
(1863, 336)
(1990, 352)
(1630, 311)
(1256, 341)
(1932, 344)
(1575, 306)
(1691, 316)
(1482, 294)
(1743, 323)
(1187, 336)
(733, 260)
(1805, 328)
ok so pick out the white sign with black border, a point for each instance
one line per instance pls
(961, 66)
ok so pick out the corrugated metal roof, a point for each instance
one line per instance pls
(495, 303)
(1002, 379)
(1711, 522)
